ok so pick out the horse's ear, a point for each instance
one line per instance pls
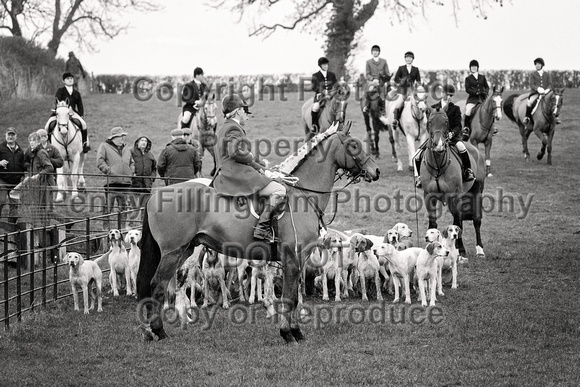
(67, 101)
(56, 101)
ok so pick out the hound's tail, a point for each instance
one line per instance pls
(150, 258)
(508, 107)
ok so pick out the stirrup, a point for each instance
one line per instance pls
(86, 147)
(558, 122)
(526, 120)
(495, 131)
(418, 183)
(468, 175)
(263, 231)
(395, 123)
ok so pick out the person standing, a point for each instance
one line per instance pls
(322, 83)
(53, 153)
(406, 77)
(145, 169)
(74, 66)
(188, 137)
(77, 110)
(377, 74)
(191, 95)
(41, 168)
(114, 160)
(477, 88)
(178, 161)
(11, 172)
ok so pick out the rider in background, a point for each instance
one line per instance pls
(541, 84)
(322, 83)
(406, 77)
(191, 94)
(454, 116)
(76, 109)
(477, 88)
(377, 74)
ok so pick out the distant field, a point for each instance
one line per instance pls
(513, 321)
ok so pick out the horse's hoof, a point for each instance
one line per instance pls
(297, 334)
(287, 336)
(160, 333)
(540, 156)
(490, 175)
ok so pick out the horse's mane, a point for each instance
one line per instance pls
(297, 158)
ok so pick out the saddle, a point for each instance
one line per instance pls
(255, 204)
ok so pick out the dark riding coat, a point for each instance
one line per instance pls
(476, 88)
(145, 165)
(74, 100)
(192, 92)
(406, 79)
(323, 85)
(377, 70)
(239, 174)
(454, 116)
(544, 81)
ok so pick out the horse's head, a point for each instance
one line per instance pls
(62, 111)
(339, 97)
(438, 128)
(352, 158)
(209, 110)
(419, 102)
(556, 101)
(497, 101)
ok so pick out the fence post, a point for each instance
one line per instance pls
(55, 270)
(119, 219)
(44, 250)
(32, 267)
(19, 283)
(6, 310)
(88, 238)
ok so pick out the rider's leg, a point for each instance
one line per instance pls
(467, 120)
(314, 113)
(417, 159)
(82, 125)
(276, 193)
(49, 127)
(529, 106)
(468, 174)
(398, 109)
(186, 119)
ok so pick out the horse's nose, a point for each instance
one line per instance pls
(378, 172)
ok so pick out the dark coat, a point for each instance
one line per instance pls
(177, 160)
(14, 171)
(476, 88)
(191, 92)
(321, 84)
(145, 165)
(115, 162)
(53, 154)
(239, 174)
(544, 81)
(41, 164)
(75, 101)
(377, 70)
(454, 116)
(407, 80)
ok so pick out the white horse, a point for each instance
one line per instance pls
(413, 124)
(67, 139)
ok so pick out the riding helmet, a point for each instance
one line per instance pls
(67, 75)
(322, 61)
(474, 63)
(409, 53)
(449, 89)
(375, 47)
(197, 71)
(232, 102)
(540, 61)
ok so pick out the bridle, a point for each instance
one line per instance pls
(440, 136)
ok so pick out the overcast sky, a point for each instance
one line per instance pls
(187, 34)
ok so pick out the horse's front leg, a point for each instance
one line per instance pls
(211, 151)
(410, 151)
(75, 175)
(288, 309)
(61, 184)
(167, 268)
(488, 156)
(525, 133)
(550, 137)
(431, 206)
(81, 186)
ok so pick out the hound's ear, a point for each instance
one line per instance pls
(430, 247)
(368, 244)
(445, 233)
(459, 232)
(65, 259)
(126, 239)
(401, 246)
(81, 260)
(326, 242)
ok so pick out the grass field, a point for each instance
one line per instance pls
(514, 320)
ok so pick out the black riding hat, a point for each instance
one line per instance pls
(474, 63)
(540, 61)
(409, 53)
(323, 60)
(375, 47)
(449, 89)
(67, 75)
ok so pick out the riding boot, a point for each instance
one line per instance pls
(314, 122)
(466, 128)
(396, 117)
(382, 110)
(528, 116)
(86, 145)
(468, 174)
(264, 228)
(418, 158)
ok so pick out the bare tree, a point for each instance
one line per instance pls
(340, 21)
(77, 20)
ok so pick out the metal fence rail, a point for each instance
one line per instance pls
(32, 273)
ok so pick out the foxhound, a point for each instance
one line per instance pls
(426, 270)
(132, 238)
(401, 265)
(119, 262)
(450, 234)
(84, 274)
(367, 264)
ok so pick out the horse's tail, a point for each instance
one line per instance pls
(150, 258)
(508, 107)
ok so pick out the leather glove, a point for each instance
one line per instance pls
(541, 90)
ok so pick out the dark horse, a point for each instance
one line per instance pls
(543, 122)
(181, 216)
(441, 177)
(333, 109)
(373, 115)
